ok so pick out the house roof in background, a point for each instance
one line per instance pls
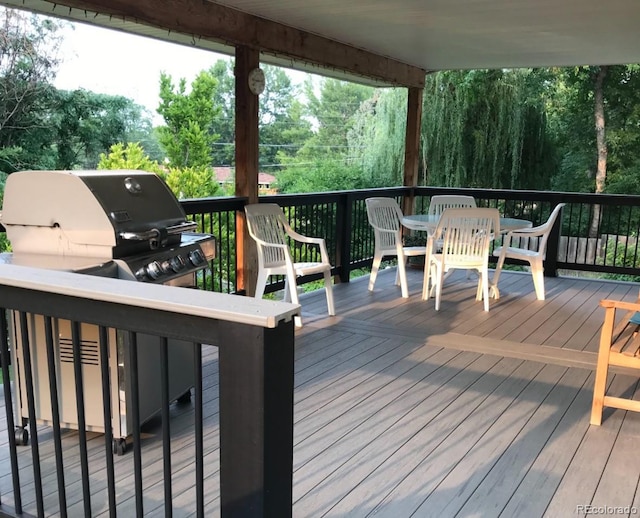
(226, 174)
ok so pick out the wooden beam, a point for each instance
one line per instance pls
(246, 165)
(223, 24)
(412, 145)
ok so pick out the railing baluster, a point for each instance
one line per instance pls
(135, 420)
(198, 425)
(55, 415)
(103, 337)
(33, 425)
(166, 426)
(9, 410)
(82, 422)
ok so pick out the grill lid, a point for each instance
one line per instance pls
(90, 213)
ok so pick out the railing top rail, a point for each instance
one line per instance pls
(558, 196)
(320, 197)
(210, 305)
(213, 204)
(228, 203)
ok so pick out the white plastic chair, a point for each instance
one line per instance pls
(385, 216)
(269, 228)
(466, 235)
(532, 249)
(440, 202)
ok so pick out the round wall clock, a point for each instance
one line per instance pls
(256, 81)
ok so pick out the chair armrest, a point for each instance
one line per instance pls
(267, 243)
(312, 241)
(529, 232)
(522, 232)
(620, 304)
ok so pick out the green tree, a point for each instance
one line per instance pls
(86, 124)
(128, 156)
(191, 182)
(188, 136)
(283, 130)
(320, 176)
(187, 182)
(572, 113)
(29, 59)
(487, 128)
(223, 124)
(377, 138)
(334, 111)
(324, 162)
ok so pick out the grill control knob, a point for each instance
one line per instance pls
(196, 257)
(153, 270)
(177, 263)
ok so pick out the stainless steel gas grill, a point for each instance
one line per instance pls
(121, 224)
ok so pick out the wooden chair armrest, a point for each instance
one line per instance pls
(620, 304)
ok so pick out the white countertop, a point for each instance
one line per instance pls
(221, 306)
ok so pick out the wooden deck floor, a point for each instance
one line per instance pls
(404, 411)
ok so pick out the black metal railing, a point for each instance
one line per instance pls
(606, 243)
(217, 216)
(595, 233)
(58, 475)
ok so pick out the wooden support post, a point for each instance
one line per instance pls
(247, 140)
(412, 146)
(256, 420)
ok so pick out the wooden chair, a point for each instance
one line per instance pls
(619, 346)
(385, 216)
(270, 230)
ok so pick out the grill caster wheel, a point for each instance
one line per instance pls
(22, 436)
(119, 447)
(185, 398)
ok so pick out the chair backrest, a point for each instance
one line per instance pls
(466, 235)
(545, 231)
(385, 216)
(542, 247)
(440, 202)
(267, 225)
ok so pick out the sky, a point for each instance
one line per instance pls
(116, 63)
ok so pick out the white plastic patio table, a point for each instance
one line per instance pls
(429, 222)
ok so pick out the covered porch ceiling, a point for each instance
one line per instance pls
(378, 41)
(468, 34)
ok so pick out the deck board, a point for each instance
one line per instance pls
(400, 410)
(545, 473)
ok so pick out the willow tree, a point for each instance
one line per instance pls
(377, 138)
(486, 128)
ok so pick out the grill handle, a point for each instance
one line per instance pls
(154, 233)
(187, 226)
(147, 235)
